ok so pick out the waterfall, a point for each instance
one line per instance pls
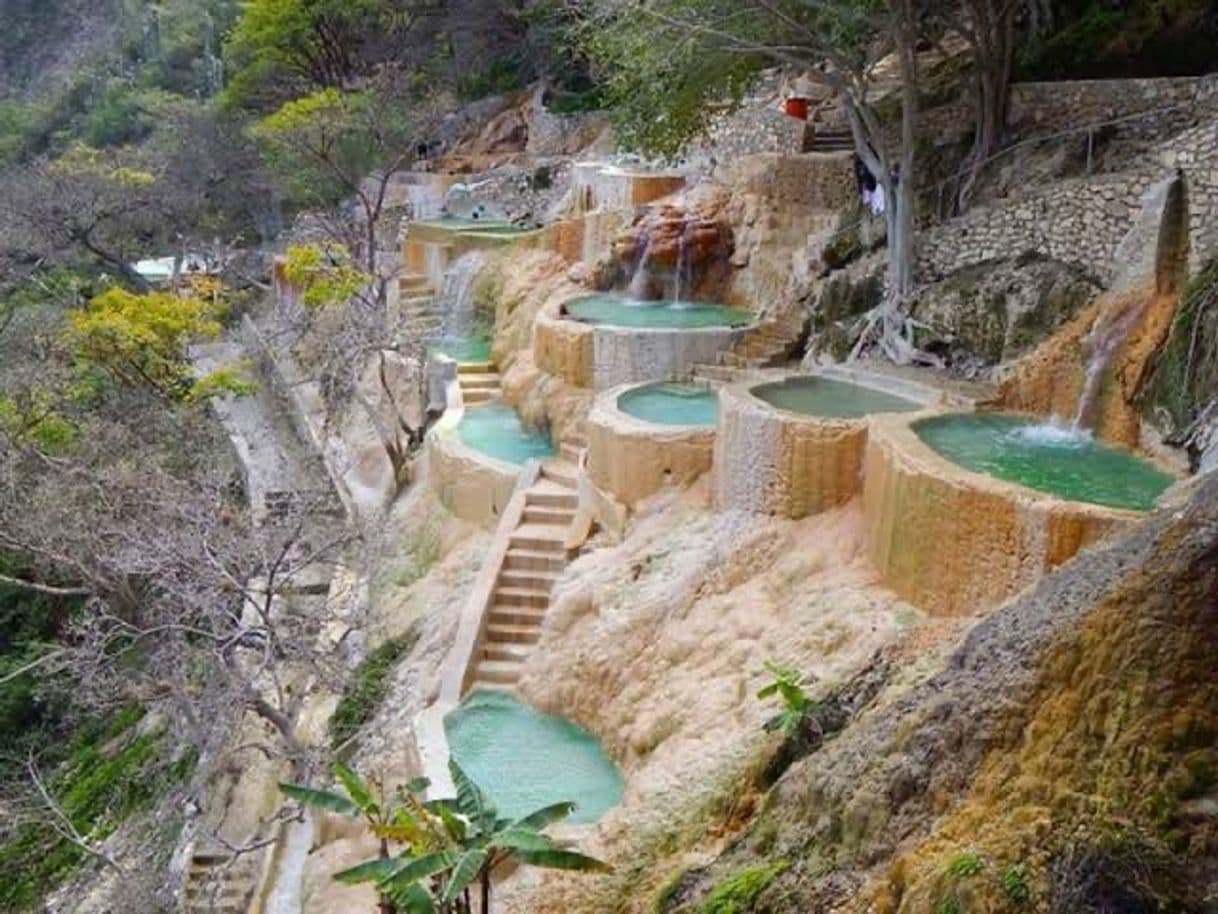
(682, 259)
(638, 287)
(1110, 330)
(456, 300)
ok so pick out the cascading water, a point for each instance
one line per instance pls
(682, 260)
(456, 300)
(1109, 332)
(641, 279)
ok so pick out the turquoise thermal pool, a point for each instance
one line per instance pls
(1056, 459)
(830, 399)
(494, 429)
(670, 403)
(526, 760)
(463, 349)
(615, 310)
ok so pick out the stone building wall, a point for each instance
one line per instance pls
(1082, 221)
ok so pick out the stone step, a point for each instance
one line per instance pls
(539, 515)
(503, 633)
(478, 396)
(516, 615)
(478, 381)
(481, 685)
(534, 560)
(561, 472)
(578, 439)
(499, 672)
(506, 651)
(539, 543)
(560, 497)
(527, 579)
(520, 596)
(570, 452)
(476, 368)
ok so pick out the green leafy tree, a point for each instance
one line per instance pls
(280, 49)
(449, 846)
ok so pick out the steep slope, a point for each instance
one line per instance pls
(1063, 761)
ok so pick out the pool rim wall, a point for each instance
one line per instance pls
(601, 356)
(793, 482)
(472, 485)
(923, 557)
(630, 459)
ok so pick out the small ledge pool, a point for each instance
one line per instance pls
(671, 403)
(463, 349)
(615, 310)
(494, 429)
(826, 398)
(526, 760)
(1055, 459)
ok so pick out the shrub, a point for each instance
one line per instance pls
(738, 894)
(1015, 884)
(367, 688)
(965, 865)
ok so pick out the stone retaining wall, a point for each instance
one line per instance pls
(953, 542)
(630, 459)
(1083, 221)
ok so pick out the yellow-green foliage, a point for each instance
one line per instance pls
(80, 159)
(1105, 762)
(36, 420)
(140, 340)
(324, 276)
(739, 894)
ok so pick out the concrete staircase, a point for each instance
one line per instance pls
(822, 138)
(479, 382)
(536, 556)
(215, 883)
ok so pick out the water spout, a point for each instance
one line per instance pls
(640, 281)
(1109, 332)
(682, 259)
(456, 300)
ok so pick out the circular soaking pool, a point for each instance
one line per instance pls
(495, 429)
(616, 310)
(671, 403)
(525, 760)
(827, 398)
(1050, 458)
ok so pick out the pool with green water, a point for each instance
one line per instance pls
(494, 429)
(524, 759)
(830, 399)
(614, 310)
(670, 403)
(467, 349)
(1050, 458)
(459, 224)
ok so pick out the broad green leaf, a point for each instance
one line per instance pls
(320, 799)
(412, 899)
(356, 789)
(465, 872)
(545, 816)
(471, 801)
(369, 871)
(413, 869)
(525, 839)
(556, 859)
(417, 786)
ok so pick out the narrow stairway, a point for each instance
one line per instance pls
(479, 381)
(215, 883)
(536, 556)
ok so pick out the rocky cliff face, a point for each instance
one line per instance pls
(1063, 760)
